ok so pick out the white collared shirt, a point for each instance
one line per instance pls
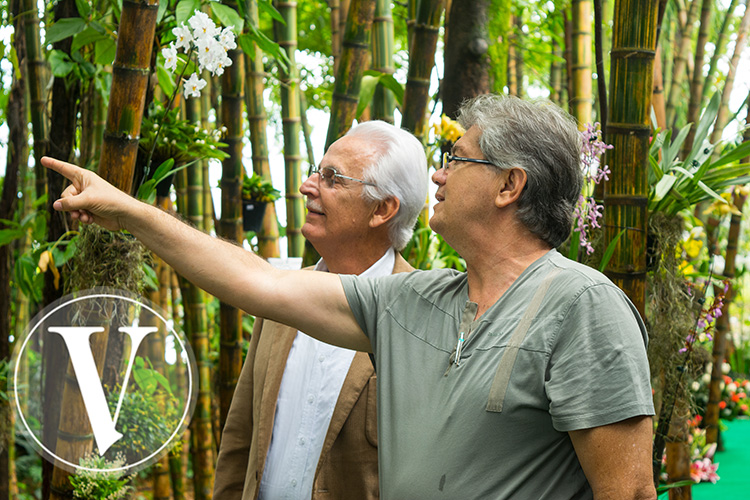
(313, 377)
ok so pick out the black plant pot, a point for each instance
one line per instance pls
(252, 214)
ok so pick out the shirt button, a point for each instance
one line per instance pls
(302, 441)
(311, 399)
(294, 482)
(321, 358)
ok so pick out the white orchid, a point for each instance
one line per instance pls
(170, 57)
(202, 25)
(226, 39)
(184, 37)
(209, 42)
(193, 86)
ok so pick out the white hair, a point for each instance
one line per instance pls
(400, 171)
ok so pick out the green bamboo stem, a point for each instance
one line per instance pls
(295, 209)
(696, 86)
(36, 70)
(383, 102)
(720, 47)
(127, 97)
(421, 60)
(499, 33)
(230, 225)
(581, 98)
(354, 61)
(681, 52)
(722, 118)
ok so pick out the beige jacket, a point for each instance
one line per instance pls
(348, 466)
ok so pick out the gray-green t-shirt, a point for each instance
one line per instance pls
(582, 364)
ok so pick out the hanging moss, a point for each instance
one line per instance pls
(671, 311)
(107, 259)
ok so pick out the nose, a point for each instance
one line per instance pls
(439, 176)
(311, 185)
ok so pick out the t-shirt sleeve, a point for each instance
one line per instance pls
(598, 371)
(368, 297)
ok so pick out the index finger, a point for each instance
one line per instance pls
(67, 170)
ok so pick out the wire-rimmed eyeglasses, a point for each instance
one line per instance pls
(448, 158)
(329, 175)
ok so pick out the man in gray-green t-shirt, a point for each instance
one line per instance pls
(525, 377)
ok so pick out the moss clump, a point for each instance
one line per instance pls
(107, 259)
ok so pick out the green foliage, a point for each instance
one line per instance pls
(148, 415)
(255, 187)
(677, 184)
(100, 484)
(428, 250)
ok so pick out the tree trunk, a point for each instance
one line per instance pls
(467, 62)
(335, 6)
(354, 61)
(678, 452)
(286, 36)
(696, 87)
(383, 102)
(581, 98)
(268, 237)
(421, 60)
(629, 130)
(601, 81)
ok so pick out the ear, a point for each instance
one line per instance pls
(384, 211)
(510, 186)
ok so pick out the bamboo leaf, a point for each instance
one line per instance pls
(165, 79)
(64, 28)
(366, 91)
(185, 9)
(163, 4)
(610, 250)
(60, 63)
(389, 82)
(84, 9)
(105, 51)
(267, 7)
(8, 235)
(228, 17)
(85, 37)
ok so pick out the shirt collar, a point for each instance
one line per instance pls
(383, 267)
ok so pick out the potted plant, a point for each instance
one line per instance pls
(257, 193)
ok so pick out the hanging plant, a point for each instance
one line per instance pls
(257, 193)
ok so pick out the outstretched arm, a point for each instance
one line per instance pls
(312, 302)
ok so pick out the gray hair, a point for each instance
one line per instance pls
(542, 139)
(400, 171)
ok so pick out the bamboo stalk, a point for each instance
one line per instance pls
(230, 225)
(682, 49)
(722, 325)
(289, 80)
(720, 46)
(696, 86)
(657, 94)
(421, 60)
(268, 237)
(354, 61)
(383, 102)
(629, 129)
(499, 27)
(581, 100)
(739, 46)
